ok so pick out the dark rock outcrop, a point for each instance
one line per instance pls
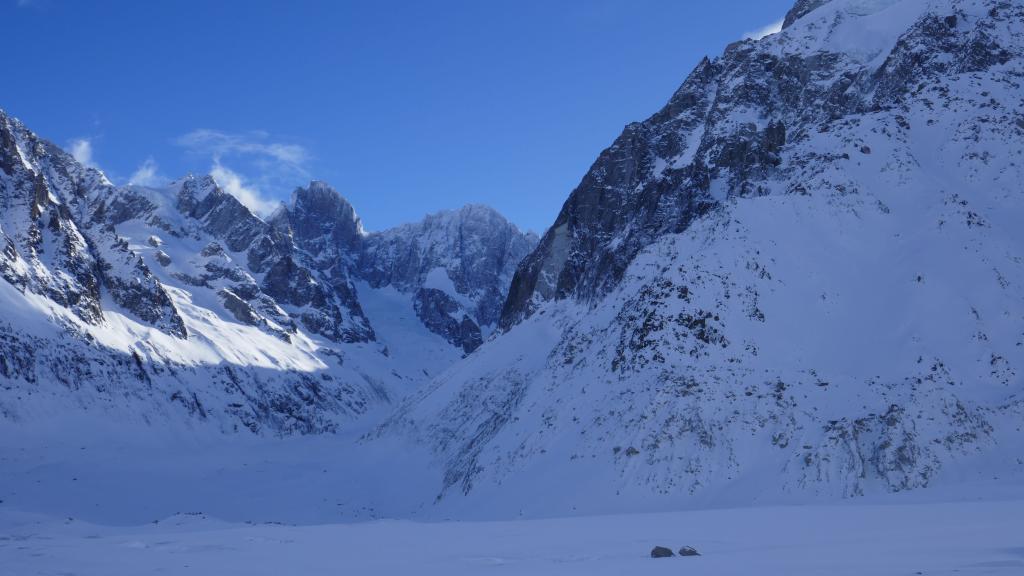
(661, 552)
(446, 317)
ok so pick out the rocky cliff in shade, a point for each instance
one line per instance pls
(459, 262)
(796, 280)
(455, 265)
(721, 133)
(322, 222)
(180, 304)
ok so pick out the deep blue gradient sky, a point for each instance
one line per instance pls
(405, 107)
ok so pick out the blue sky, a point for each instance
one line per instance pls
(405, 107)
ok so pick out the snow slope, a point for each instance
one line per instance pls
(798, 281)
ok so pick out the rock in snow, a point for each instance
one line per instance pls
(661, 552)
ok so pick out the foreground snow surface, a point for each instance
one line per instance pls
(982, 537)
(110, 503)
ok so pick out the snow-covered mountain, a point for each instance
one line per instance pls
(800, 278)
(457, 264)
(180, 304)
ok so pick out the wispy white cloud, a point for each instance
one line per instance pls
(262, 167)
(250, 143)
(81, 150)
(147, 174)
(236, 185)
(768, 30)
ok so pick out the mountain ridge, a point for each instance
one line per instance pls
(266, 311)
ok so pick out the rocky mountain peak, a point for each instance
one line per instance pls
(320, 217)
(471, 212)
(800, 9)
(727, 131)
(473, 249)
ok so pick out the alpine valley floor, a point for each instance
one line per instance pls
(175, 502)
(967, 537)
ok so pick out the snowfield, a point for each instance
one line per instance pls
(188, 502)
(899, 539)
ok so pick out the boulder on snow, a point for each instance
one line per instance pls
(688, 551)
(661, 552)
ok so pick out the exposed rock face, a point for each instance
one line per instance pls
(474, 250)
(81, 245)
(795, 278)
(721, 133)
(56, 247)
(801, 9)
(444, 316)
(324, 302)
(467, 256)
(322, 222)
(265, 309)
